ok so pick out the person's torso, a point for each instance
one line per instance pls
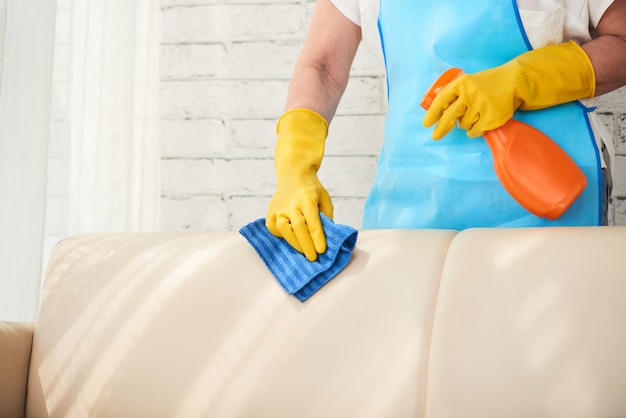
(421, 183)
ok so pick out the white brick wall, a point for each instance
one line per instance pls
(225, 69)
(612, 109)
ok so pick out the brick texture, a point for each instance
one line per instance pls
(225, 71)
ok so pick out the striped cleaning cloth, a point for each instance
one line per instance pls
(297, 275)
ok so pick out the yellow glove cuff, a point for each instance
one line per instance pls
(301, 139)
(303, 121)
(555, 74)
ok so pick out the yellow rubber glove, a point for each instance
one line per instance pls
(536, 79)
(293, 212)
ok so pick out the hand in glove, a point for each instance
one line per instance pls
(293, 212)
(534, 80)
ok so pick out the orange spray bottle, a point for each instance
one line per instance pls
(533, 169)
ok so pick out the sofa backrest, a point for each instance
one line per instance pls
(480, 323)
(190, 325)
(531, 323)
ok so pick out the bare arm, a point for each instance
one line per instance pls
(608, 51)
(322, 69)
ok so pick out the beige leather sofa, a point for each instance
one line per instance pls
(423, 323)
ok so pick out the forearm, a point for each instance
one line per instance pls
(608, 56)
(313, 88)
(608, 51)
(322, 70)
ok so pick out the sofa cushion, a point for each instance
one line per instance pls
(530, 323)
(169, 324)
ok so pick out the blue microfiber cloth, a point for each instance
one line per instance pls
(297, 275)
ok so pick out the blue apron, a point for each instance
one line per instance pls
(451, 183)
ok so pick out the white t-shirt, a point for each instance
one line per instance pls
(546, 22)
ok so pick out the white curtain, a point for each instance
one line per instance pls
(24, 116)
(3, 25)
(91, 99)
(113, 115)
